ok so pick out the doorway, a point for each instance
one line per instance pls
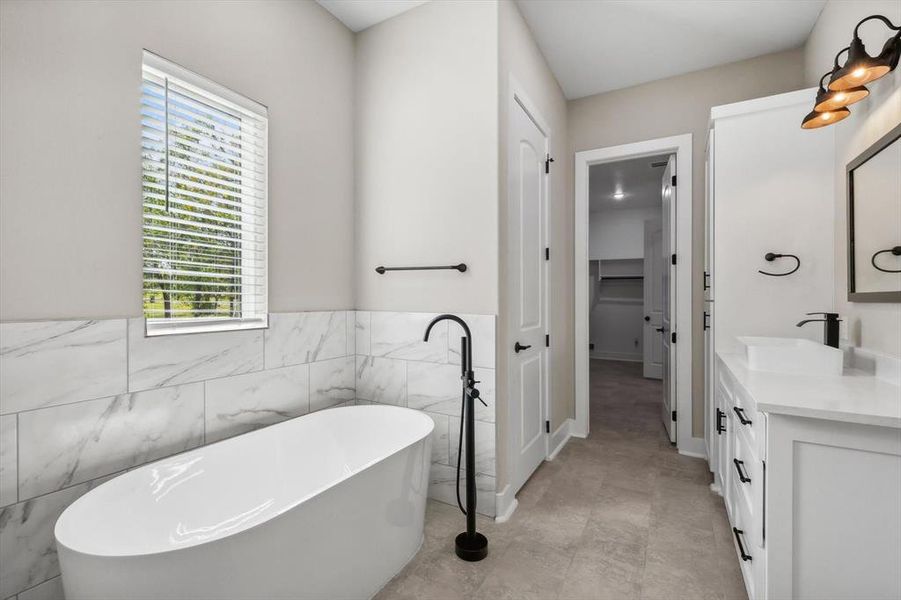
(630, 243)
(676, 234)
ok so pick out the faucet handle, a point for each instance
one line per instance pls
(829, 316)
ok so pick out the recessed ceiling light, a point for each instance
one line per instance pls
(618, 195)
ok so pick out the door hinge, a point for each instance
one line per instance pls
(674, 181)
(547, 426)
(673, 337)
(547, 254)
(547, 163)
(673, 259)
(674, 415)
(547, 340)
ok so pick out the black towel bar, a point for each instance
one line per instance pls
(461, 267)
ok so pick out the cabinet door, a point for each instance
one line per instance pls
(724, 445)
(709, 204)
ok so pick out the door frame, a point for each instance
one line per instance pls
(518, 99)
(681, 146)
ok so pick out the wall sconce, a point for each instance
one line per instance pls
(846, 83)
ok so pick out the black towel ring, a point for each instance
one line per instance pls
(770, 257)
(896, 251)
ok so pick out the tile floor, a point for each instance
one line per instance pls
(619, 515)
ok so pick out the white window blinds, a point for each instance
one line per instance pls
(205, 197)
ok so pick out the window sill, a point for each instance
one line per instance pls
(157, 328)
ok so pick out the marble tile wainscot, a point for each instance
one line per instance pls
(84, 400)
(394, 366)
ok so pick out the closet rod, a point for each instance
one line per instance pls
(622, 276)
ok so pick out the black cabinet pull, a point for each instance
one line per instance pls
(720, 426)
(741, 474)
(741, 547)
(647, 318)
(706, 320)
(660, 329)
(519, 347)
(706, 280)
(741, 415)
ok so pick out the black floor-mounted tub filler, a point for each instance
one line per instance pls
(470, 545)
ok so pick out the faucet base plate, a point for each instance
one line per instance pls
(472, 548)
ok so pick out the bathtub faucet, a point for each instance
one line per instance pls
(470, 545)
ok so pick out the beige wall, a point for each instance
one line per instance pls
(874, 326)
(675, 106)
(426, 158)
(520, 57)
(70, 159)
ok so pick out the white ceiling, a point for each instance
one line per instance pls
(636, 178)
(595, 46)
(360, 14)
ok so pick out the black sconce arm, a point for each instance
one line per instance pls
(835, 65)
(879, 18)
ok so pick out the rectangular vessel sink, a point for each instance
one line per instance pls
(791, 355)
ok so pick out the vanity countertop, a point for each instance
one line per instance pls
(854, 397)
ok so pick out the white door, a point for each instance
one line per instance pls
(653, 298)
(527, 354)
(669, 297)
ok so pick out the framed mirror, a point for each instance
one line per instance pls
(874, 222)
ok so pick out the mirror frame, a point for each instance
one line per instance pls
(881, 144)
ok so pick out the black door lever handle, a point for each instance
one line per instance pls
(519, 347)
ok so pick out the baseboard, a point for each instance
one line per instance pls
(576, 431)
(505, 504)
(559, 438)
(694, 448)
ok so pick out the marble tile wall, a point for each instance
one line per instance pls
(394, 366)
(81, 401)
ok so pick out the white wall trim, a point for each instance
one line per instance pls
(505, 504)
(681, 145)
(559, 438)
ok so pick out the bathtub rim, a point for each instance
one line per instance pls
(275, 515)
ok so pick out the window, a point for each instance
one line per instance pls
(205, 198)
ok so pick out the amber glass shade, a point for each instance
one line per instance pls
(831, 100)
(862, 68)
(815, 120)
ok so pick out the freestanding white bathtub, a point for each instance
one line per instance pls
(328, 505)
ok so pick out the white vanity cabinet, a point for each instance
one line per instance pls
(810, 469)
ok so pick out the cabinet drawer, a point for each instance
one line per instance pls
(746, 482)
(748, 557)
(747, 419)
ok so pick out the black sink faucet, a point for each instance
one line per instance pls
(830, 326)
